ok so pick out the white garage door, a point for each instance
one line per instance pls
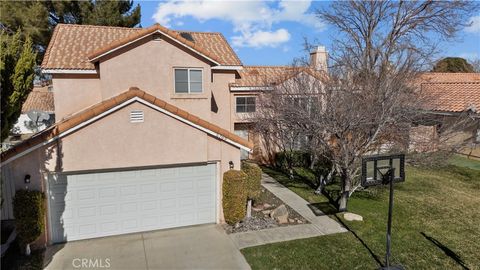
(101, 204)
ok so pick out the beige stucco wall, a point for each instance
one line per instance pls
(113, 142)
(149, 65)
(74, 93)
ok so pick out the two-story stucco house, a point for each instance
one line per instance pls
(147, 122)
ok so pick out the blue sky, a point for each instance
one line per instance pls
(271, 33)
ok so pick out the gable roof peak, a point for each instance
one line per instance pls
(80, 42)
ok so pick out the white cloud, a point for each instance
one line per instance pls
(260, 38)
(475, 27)
(251, 19)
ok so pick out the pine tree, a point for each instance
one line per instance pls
(453, 65)
(17, 73)
(37, 19)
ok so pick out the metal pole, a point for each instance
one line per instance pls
(391, 175)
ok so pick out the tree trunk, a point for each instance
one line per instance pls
(321, 184)
(324, 181)
(346, 185)
(342, 205)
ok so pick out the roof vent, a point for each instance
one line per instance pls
(187, 36)
(157, 36)
(136, 116)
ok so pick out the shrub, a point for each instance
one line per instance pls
(296, 158)
(254, 178)
(29, 212)
(234, 196)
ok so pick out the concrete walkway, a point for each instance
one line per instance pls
(320, 224)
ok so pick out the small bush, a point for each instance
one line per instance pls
(234, 196)
(296, 158)
(29, 212)
(254, 178)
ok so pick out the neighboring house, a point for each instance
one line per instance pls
(146, 124)
(38, 105)
(450, 96)
(40, 100)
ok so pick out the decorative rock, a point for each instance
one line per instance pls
(282, 219)
(352, 217)
(258, 208)
(299, 221)
(266, 212)
(266, 205)
(279, 211)
(280, 214)
(291, 220)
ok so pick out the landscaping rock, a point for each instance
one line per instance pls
(266, 205)
(282, 219)
(266, 212)
(252, 224)
(291, 220)
(352, 217)
(279, 211)
(280, 214)
(258, 208)
(299, 221)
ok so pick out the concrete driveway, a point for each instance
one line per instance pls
(197, 247)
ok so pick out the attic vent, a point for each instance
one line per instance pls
(187, 36)
(156, 36)
(136, 116)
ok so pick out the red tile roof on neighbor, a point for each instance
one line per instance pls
(452, 92)
(108, 104)
(255, 76)
(40, 99)
(73, 45)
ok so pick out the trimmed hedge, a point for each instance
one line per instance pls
(29, 212)
(254, 177)
(297, 159)
(234, 196)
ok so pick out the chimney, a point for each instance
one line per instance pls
(318, 58)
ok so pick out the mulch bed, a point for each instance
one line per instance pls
(261, 215)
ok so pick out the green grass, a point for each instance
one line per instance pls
(435, 226)
(463, 161)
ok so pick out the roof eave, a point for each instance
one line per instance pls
(68, 71)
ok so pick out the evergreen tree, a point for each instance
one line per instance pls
(17, 73)
(453, 65)
(37, 19)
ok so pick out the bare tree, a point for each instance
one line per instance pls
(370, 96)
(476, 64)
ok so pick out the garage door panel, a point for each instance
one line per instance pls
(102, 204)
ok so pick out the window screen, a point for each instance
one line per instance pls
(245, 104)
(188, 80)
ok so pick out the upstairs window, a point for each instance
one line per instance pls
(245, 104)
(188, 81)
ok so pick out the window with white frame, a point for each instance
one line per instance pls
(245, 104)
(188, 81)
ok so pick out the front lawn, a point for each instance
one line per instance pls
(463, 161)
(435, 226)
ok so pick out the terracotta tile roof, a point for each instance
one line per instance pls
(451, 92)
(432, 77)
(40, 99)
(452, 96)
(268, 75)
(71, 45)
(104, 106)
